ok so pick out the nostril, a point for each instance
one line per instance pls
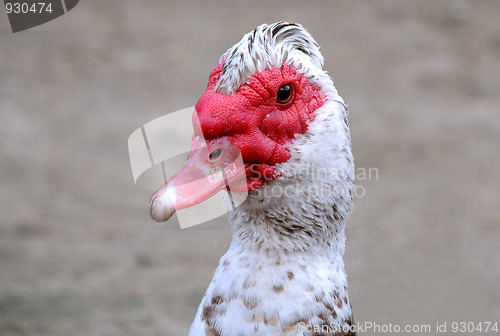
(215, 155)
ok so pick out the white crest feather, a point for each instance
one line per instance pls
(269, 46)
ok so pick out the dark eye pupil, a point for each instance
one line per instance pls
(284, 94)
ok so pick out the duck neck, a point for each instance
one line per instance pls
(285, 276)
(275, 234)
(300, 233)
(279, 245)
(284, 269)
(292, 215)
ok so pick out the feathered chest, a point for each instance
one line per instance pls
(269, 293)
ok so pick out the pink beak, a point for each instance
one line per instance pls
(208, 170)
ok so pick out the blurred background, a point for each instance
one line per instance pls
(79, 254)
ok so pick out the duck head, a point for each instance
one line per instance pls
(269, 102)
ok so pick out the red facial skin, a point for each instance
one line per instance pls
(252, 120)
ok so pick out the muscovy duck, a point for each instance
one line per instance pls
(283, 273)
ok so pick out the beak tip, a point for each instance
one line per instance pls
(162, 206)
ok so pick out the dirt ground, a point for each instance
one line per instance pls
(79, 254)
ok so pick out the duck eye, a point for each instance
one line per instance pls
(285, 94)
